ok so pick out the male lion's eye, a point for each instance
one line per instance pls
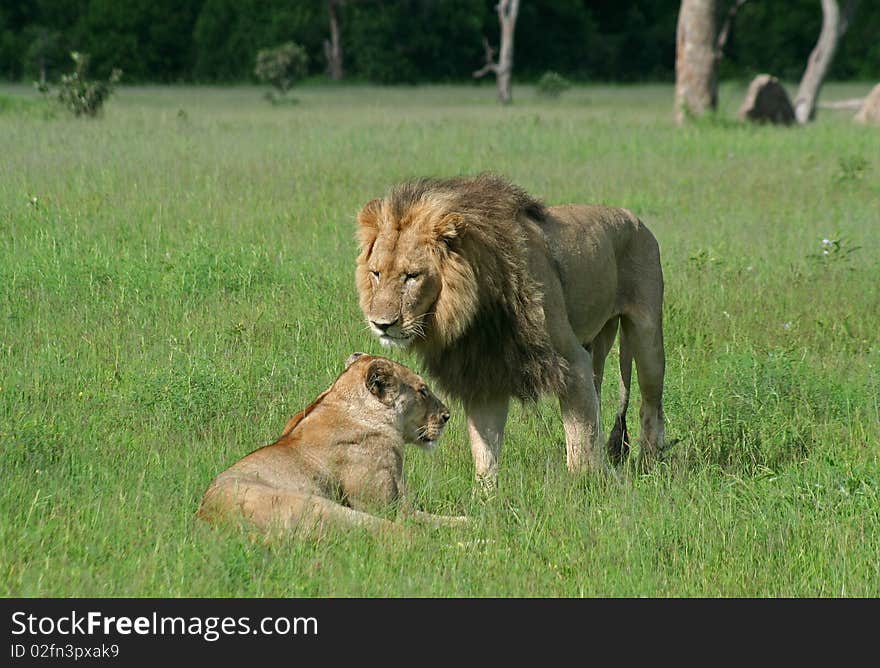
(424, 392)
(375, 274)
(412, 277)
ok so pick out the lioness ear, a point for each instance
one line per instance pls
(448, 228)
(354, 357)
(379, 378)
(368, 222)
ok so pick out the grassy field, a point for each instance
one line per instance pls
(176, 280)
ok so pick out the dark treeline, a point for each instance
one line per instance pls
(399, 41)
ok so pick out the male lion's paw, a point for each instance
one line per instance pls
(440, 520)
(476, 543)
(486, 488)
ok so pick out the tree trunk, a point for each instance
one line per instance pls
(833, 28)
(818, 63)
(507, 12)
(696, 84)
(333, 48)
(503, 69)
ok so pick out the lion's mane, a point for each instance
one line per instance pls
(487, 337)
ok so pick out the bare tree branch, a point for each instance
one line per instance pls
(848, 13)
(491, 65)
(507, 13)
(851, 103)
(483, 71)
(724, 33)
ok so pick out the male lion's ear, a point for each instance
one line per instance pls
(368, 216)
(368, 222)
(448, 228)
(379, 378)
(354, 357)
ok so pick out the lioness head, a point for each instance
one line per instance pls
(418, 414)
(413, 283)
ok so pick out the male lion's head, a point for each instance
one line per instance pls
(444, 266)
(415, 410)
(413, 283)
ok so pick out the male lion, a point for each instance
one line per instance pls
(339, 458)
(503, 297)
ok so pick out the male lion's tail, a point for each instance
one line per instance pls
(618, 442)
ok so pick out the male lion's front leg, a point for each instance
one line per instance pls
(584, 445)
(486, 430)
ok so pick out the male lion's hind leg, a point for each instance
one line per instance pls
(280, 510)
(644, 337)
(486, 430)
(617, 446)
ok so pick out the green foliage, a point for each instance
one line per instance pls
(45, 54)
(777, 37)
(552, 84)
(405, 41)
(281, 66)
(411, 40)
(227, 34)
(82, 96)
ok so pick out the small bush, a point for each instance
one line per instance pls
(851, 169)
(281, 66)
(553, 84)
(79, 95)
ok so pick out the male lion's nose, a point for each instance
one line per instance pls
(384, 325)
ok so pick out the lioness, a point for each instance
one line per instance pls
(338, 459)
(503, 297)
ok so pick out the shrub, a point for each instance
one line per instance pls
(79, 95)
(282, 66)
(553, 84)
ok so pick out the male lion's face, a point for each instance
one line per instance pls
(418, 413)
(400, 286)
(398, 271)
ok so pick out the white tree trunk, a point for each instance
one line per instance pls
(333, 48)
(818, 63)
(503, 69)
(696, 85)
(507, 13)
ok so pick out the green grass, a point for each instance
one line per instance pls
(176, 280)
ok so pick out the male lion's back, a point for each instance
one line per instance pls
(590, 225)
(607, 259)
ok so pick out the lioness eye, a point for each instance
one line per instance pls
(375, 274)
(424, 392)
